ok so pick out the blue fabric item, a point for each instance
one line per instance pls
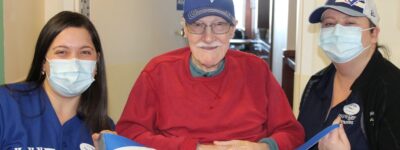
(271, 143)
(112, 141)
(196, 9)
(317, 137)
(28, 121)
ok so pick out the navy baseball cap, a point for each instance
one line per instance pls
(193, 10)
(356, 8)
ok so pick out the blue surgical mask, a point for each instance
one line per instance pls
(342, 43)
(71, 77)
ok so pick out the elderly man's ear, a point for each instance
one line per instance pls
(234, 28)
(183, 30)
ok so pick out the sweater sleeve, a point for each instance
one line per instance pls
(138, 119)
(281, 124)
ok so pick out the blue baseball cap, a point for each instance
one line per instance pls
(356, 8)
(193, 10)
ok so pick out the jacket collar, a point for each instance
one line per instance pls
(370, 72)
(322, 81)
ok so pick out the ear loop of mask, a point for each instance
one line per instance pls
(367, 47)
(368, 29)
(44, 71)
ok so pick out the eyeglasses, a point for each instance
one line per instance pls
(216, 28)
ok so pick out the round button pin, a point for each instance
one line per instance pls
(351, 109)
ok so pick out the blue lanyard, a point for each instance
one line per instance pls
(317, 137)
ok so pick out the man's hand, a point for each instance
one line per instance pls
(242, 145)
(211, 147)
(337, 139)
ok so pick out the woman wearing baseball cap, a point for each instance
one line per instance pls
(359, 89)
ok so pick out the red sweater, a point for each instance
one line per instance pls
(169, 109)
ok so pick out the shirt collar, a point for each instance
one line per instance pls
(197, 72)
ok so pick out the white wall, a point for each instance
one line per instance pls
(132, 33)
(240, 13)
(22, 23)
(280, 36)
(310, 59)
(389, 11)
(284, 33)
(291, 39)
(52, 7)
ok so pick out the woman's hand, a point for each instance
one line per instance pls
(96, 137)
(242, 145)
(335, 140)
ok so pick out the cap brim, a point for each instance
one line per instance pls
(316, 15)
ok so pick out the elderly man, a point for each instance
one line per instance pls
(206, 96)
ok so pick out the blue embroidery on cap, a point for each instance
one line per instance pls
(352, 2)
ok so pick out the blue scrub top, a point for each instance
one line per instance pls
(314, 115)
(27, 119)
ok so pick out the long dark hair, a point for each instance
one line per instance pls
(93, 103)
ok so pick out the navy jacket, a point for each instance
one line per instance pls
(378, 88)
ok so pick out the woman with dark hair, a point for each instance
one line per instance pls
(63, 101)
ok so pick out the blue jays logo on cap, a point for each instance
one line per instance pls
(352, 2)
(358, 3)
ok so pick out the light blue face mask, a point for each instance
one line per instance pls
(342, 43)
(71, 77)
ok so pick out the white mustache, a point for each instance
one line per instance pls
(213, 44)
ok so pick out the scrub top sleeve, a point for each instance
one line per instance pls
(12, 133)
